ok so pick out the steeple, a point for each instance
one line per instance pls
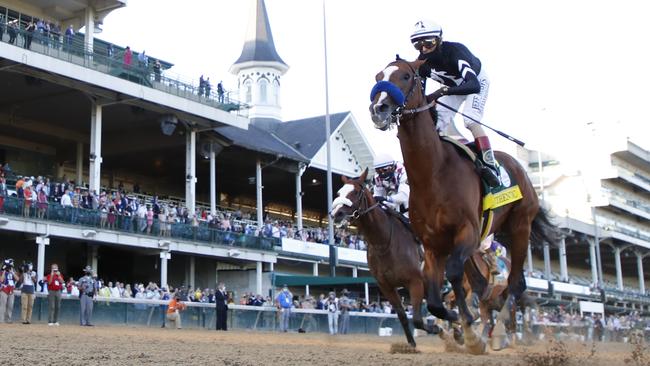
(259, 68)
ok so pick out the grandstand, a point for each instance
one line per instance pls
(78, 114)
(74, 112)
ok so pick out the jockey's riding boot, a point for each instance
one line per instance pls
(488, 169)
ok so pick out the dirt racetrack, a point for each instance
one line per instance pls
(38, 344)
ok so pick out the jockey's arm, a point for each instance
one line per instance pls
(401, 197)
(469, 85)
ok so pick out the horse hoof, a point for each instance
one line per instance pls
(435, 329)
(499, 342)
(476, 348)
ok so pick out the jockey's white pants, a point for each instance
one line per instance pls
(472, 106)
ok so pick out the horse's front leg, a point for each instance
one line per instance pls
(434, 274)
(455, 272)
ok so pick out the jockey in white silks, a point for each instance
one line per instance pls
(391, 184)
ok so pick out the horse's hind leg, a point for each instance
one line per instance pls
(393, 297)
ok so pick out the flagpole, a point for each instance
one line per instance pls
(330, 224)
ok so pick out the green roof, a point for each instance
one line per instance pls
(290, 280)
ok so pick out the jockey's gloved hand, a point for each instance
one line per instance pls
(439, 93)
(379, 199)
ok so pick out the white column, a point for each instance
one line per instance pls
(271, 267)
(216, 273)
(40, 260)
(94, 168)
(314, 270)
(190, 171)
(306, 290)
(213, 182)
(258, 278)
(354, 272)
(530, 260)
(258, 188)
(192, 271)
(592, 261)
(299, 200)
(89, 22)
(92, 257)
(564, 271)
(619, 271)
(367, 292)
(80, 163)
(164, 257)
(547, 261)
(639, 266)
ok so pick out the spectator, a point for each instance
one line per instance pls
(55, 283)
(157, 69)
(128, 58)
(87, 289)
(41, 203)
(3, 191)
(174, 310)
(220, 92)
(8, 279)
(345, 305)
(284, 303)
(13, 31)
(109, 51)
(69, 35)
(28, 278)
(201, 85)
(29, 33)
(143, 63)
(332, 307)
(27, 201)
(208, 87)
(221, 303)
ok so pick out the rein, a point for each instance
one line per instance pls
(361, 198)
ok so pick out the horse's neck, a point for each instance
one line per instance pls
(371, 224)
(422, 150)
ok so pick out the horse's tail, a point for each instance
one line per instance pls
(543, 230)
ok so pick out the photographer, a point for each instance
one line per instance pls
(28, 278)
(8, 280)
(55, 283)
(87, 290)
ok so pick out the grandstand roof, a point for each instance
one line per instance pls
(257, 139)
(259, 46)
(307, 135)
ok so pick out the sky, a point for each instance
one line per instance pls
(560, 71)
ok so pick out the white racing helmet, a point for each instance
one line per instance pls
(425, 29)
(383, 160)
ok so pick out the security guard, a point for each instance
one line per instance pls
(87, 290)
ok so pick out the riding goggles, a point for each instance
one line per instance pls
(425, 43)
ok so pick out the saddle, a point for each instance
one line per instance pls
(507, 192)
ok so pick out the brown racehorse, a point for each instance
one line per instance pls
(393, 255)
(446, 194)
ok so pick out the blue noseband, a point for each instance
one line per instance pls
(393, 91)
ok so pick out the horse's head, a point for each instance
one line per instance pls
(398, 87)
(351, 198)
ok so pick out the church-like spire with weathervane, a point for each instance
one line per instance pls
(259, 68)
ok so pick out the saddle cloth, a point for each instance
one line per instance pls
(507, 192)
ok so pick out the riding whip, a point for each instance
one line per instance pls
(516, 141)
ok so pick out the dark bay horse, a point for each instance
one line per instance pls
(393, 255)
(446, 196)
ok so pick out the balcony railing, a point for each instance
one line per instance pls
(132, 224)
(74, 50)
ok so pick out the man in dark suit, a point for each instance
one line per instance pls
(221, 300)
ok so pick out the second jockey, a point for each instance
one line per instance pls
(391, 184)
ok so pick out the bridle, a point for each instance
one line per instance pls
(417, 80)
(401, 110)
(360, 201)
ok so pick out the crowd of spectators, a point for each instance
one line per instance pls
(135, 212)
